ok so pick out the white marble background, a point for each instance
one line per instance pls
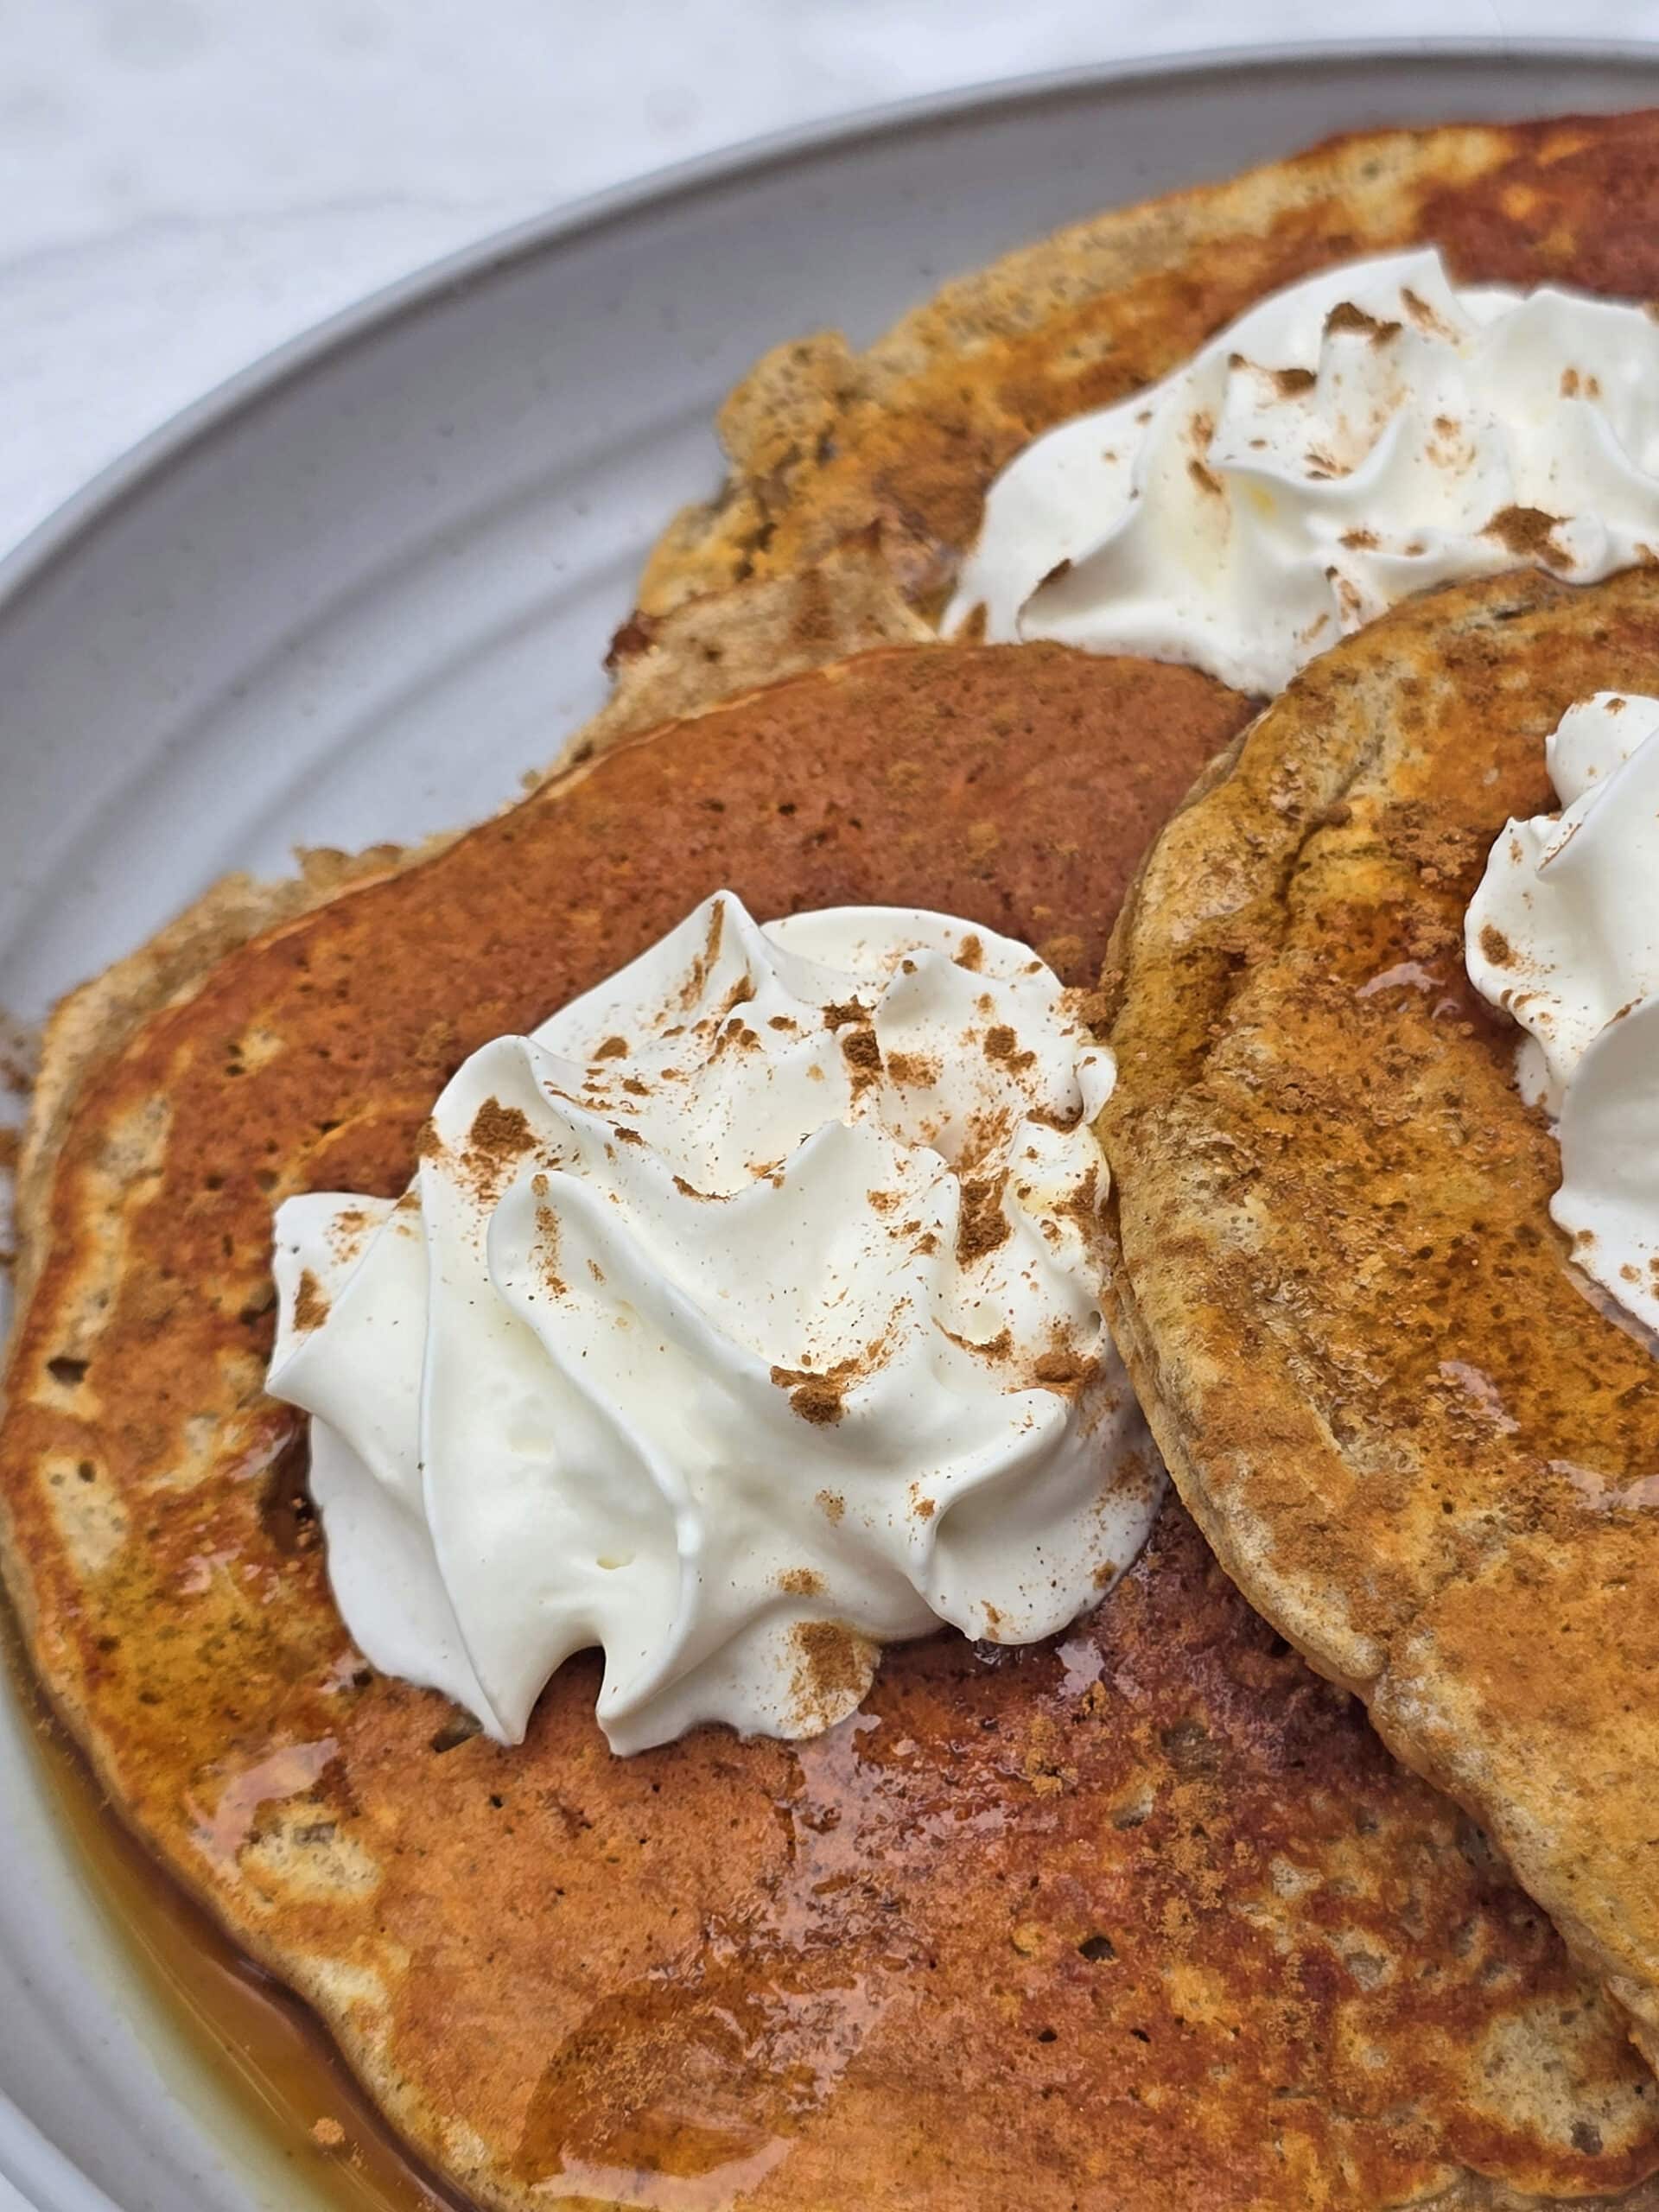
(184, 184)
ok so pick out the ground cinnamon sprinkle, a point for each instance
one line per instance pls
(310, 1307)
(981, 1224)
(498, 1130)
(862, 1055)
(691, 990)
(1000, 1044)
(498, 1138)
(1496, 946)
(816, 1398)
(912, 1068)
(546, 1224)
(1346, 316)
(1082, 1203)
(1059, 1367)
(691, 1190)
(835, 1667)
(1527, 532)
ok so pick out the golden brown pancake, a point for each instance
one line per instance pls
(1141, 1920)
(1413, 1441)
(886, 454)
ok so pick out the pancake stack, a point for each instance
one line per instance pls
(1147, 1916)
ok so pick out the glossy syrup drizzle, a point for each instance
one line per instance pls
(238, 2031)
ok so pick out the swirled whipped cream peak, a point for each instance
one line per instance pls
(743, 1318)
(1563, 933)
(1360, 436)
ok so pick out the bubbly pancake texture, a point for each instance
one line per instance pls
(1414, 1436)
(886, 454)
(1138, 1920)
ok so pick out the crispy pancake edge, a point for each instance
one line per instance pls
(1499, 1663)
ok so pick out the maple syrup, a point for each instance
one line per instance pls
(309, 2117)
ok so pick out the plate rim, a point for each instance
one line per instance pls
(35, 2174)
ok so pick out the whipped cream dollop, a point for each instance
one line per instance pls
(1359, 436)
(743, 1318)
(1564, 934)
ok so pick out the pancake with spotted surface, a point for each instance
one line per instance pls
(886, 455)
(1411, 1435)
(1138, 1920)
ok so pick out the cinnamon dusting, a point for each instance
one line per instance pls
(816, 1398)
(982, 1225)
(1346, 316)
(1496, 947)
(1527, 532)
(1002, 1045)
(912, 1069)
(496, 1142)
(863, 1054)
(836, 1667)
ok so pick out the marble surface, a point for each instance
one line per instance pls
(186, 183)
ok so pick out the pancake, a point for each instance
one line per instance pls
(887, 453)
(1413, 1440)
(1143, 1918)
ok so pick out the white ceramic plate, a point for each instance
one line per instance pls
(356, 594)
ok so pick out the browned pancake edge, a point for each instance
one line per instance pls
(1409, 1434)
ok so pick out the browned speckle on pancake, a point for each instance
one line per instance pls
(1376, 1377)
